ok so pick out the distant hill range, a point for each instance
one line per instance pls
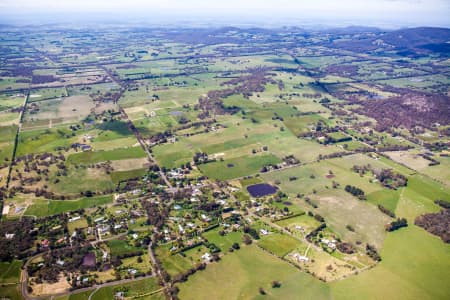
(407, 42)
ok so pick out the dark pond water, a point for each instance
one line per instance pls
(261, 189)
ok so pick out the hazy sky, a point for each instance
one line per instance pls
(362, 12)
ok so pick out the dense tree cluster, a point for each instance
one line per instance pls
(397, 224)
(156, 215)
(16, 238)
(372, 252)
(436, 223)
(355, 191)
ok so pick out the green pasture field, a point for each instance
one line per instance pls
(173, 155)
(340, 209)
(322, 61)
(387, 198)
(10, 272)
(131, 262)
(141, 288)
(174, 263)
(46, 140)
(58, 111)
(9, 118)
(121, 247)
(43, 207)
(10, 100)
(241, 274)
(278, 244)
(11, 292)
(72, 226)
(302, 124)
(93, 89)
(118, 176)
(7, 136)
(242, 166)
(47, 93)
(223, 242)
(415, 265)
(79, 180)
(306, 222)
(10, 83)
(92, 157)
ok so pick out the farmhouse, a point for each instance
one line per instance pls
(206, 256)
(73, 219)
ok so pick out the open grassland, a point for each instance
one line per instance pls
(10, 100)
(179, 262)
(121, 247)
(57, 111)
(118, 176)
(47, 93)
(10, 272)
(92, 157)
(341, 209)
(278, 244)
(223, 242)
(79, 180)
(240, 274)
(7, 136)
(46, 140)
(306, 222)
(42, 208)
(142, 289)
(11, 292)
(237, 167)
(415, 265)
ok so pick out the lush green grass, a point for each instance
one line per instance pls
(47, 93)
(91, 157)
(41, 208)
(11, 292)
(47, 140)
(387, 198)
(242, 166)
(173, 155)
(10, 271)
(120, 247)
(306, 222)
(118, 176)
(137, 289)
(80, 180)
(278, 244)
(240, 274)
(415, 265)
(223, 242)
(340, 209)
(173, 264)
